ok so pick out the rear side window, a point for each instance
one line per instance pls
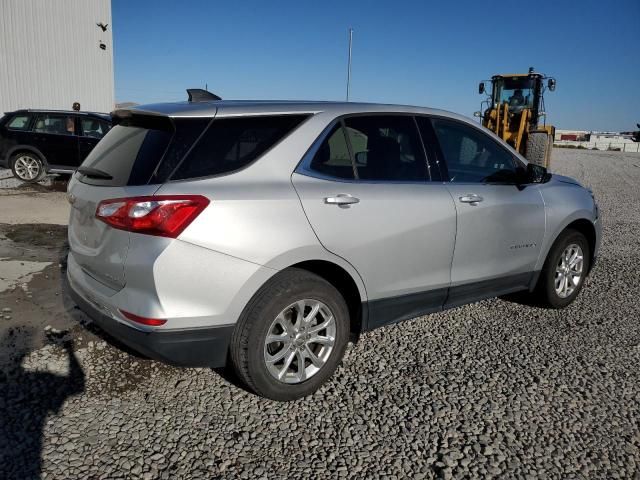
(55, 124)
(230, 144)
(19, 122)
(332, 158)
(387, 147)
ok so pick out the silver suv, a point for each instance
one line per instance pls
(263, 236)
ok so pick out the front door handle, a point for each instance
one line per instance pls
(471, 198)
(342, 200)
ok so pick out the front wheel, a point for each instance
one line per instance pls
(291, 336)
(27, 167)
(564, 271)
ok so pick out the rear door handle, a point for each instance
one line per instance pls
(471, 198)
(342, 199)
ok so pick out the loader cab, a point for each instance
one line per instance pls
(518, 91)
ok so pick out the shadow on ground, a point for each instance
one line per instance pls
(26, 399)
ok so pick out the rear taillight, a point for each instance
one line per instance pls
(153, 322)
(162, 215)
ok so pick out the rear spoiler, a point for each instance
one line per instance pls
(201, 95)
(142, 119)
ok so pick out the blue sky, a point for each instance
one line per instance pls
(408, 52)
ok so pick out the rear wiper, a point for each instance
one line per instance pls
(94, 173)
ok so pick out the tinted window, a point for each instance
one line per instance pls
(94, 128)
(130, 151)
(229, 144)
(473, 156)
(386, 147)
(143, 149)
(55, 123)
(332, 158)
(19, 122)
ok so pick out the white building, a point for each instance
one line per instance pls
(53, 53)
(596, 140)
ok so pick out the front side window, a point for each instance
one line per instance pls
(229, 144)
(94, 128)
(19, 122)
(387, 148)
(472, 156)
(55, 123)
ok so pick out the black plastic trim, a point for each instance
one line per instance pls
(386, 311)
(476, 291)
(203, 347)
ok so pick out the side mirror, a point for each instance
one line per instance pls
(536, 173)
(551, 84)
(481, 88)
(477, 114)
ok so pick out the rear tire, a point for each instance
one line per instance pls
(559, 282)
(28, 167)
(539, 148)
(277, 359)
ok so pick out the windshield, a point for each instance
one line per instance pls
(517, 92)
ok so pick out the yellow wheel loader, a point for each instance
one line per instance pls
(514, 110)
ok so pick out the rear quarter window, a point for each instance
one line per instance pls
(19, 122)
(230, 144)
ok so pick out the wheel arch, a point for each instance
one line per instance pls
(26, 148)
(582, 225)
(587, 228)
(344, 282)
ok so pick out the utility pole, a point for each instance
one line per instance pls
(349, 64)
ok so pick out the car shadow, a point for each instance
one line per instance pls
(27, 398)
(525, 299)
(227, 373)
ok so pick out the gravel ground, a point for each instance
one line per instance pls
(493, 389)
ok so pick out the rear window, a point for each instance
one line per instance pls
(133, 151)
(230, 144)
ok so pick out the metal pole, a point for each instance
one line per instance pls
(349, 64)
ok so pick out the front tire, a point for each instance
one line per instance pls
(291, 336)
(539, 145)
(27, 167)
(564, 271)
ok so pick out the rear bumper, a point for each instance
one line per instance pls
(198, 347)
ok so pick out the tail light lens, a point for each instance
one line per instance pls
(162, 215)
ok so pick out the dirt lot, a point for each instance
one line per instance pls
(486, 390)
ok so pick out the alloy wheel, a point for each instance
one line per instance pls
(299, 341)
(569, 270)
(27, 167)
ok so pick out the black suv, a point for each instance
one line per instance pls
(36, 142)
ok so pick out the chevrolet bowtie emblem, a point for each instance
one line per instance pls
(71, 198)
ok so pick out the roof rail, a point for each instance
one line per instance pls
(201, 95)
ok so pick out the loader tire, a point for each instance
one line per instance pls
(539, 148)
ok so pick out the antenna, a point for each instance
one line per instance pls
(349, 64)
